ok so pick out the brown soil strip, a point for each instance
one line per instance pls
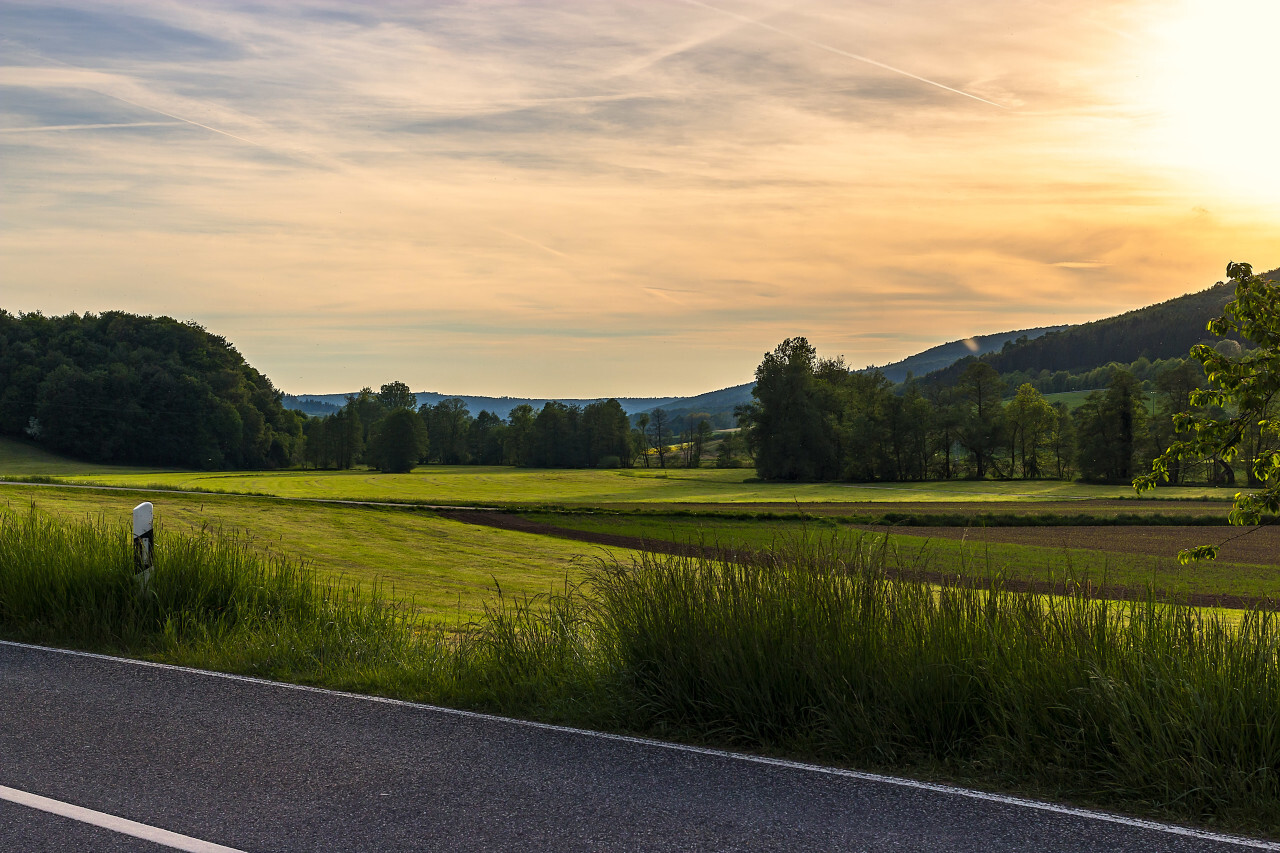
(1150, 541)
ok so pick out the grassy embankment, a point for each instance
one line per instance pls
(809, 650)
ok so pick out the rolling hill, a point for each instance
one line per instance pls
(1164, 330)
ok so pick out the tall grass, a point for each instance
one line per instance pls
(209, 596)
(819, 650)
(814, 650)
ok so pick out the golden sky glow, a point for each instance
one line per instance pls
(627, 198)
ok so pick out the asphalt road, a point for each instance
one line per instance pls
(255, 766)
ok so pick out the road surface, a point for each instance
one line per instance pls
(242, 765)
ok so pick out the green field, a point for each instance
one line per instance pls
(20, 459)
(501, 486)
(1071, 399)
(449, 569)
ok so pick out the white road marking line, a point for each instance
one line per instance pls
(1003, 799)
(124, 826)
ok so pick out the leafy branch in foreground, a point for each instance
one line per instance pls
(1236, 410)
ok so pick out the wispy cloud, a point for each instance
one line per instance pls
(572, 198)
(838, 52)
(101, 126)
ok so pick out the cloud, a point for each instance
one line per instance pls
(1080, 265)
(47, 128)
(605, 198)
(846, 54)
(87, 34)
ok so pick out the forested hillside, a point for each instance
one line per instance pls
(1165, 330)
(945, 355)
(121, 388)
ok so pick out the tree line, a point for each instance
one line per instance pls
(813, 419)
(384, 430)
(122, 388)
(119, 388)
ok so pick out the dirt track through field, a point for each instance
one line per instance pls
(1249, 545)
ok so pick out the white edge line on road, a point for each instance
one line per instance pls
(1089, 814)
(124, 826)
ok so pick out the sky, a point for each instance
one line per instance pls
(578, 199)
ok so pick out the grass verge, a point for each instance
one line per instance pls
(811, 650)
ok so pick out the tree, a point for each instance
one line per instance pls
(660, 434)
(981, 411)
(640, 438)
(701, 436)
(485, 442)
(396, 395)
(607, 434)
(1030, 421)
(345, 435)
(369, 407)
(1062, 442)
(448, 429)
(558, 437)
(517, 443)
(724, 454)
(1175, 384)
(121, 388)
(398, 441)
(1108, 426)
(1242, 392)
(791, 425)
(945, 427)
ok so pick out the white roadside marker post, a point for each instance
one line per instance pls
(143, 542)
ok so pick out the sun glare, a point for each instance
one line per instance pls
(1212, 82)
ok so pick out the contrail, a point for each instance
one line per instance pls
(40, 128)
(180, 118)
(839, 52)
(524, 239)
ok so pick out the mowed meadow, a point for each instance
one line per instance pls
(543, 526)
(1032, 637)
(504, 486)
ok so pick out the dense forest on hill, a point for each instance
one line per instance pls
(121, 388)
(1165, 330)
